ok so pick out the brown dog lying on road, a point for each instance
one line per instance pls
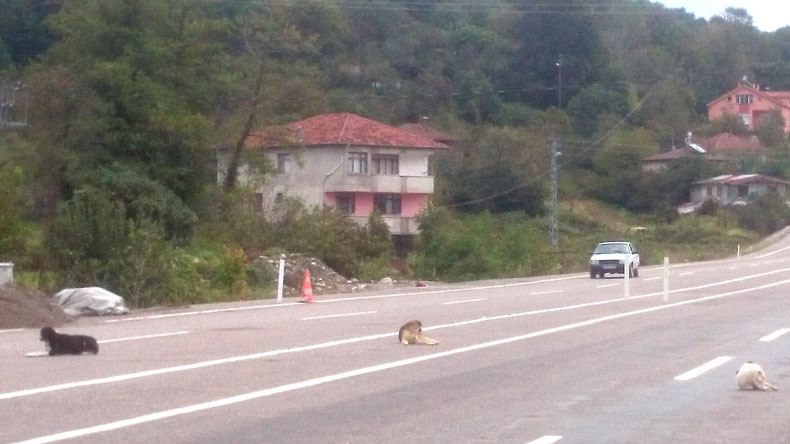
(411, 333)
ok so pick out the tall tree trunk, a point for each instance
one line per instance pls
(231, 178)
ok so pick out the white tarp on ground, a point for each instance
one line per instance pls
(90, 301)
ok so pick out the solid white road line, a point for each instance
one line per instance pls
(12, 330)
(686, 273)
(325, 301)
(381, 367)
(710, 365)
(607, 285)
(547, 439)
(545, 292)
(464, 301)
(772, 253)
(192, 313)
(652, 279)
(774, 335)
(165, 370)
(339, 315)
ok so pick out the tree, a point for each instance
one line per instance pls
(770, 130)
(280, 49)
(132, 84)
(13, 208)
(499, 170)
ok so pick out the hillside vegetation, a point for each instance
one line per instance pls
(112, 110)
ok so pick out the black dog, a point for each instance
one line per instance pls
(60, 344)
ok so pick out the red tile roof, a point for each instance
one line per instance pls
(347, 129)
(730, 142)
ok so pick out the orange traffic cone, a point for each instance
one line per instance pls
(307, 287)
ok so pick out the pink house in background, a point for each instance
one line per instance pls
(353, 164)
(751, 104)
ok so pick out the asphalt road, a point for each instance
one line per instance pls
(561, 358)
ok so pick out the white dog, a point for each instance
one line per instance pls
(752, 377)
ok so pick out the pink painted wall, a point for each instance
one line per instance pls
(411, 204)
(363, 204)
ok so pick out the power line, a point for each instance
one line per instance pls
(479, 6)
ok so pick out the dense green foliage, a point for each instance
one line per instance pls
(113, 180)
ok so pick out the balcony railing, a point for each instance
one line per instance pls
(380, 184)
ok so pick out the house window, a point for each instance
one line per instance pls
(744, 98)
(745, 118)
(743, 191)
(386, 164)
(283, 163)
(387, 203)
(431, 165)
(344, 202)
(357, 163)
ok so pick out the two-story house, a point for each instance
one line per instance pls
(353, 164)
(751, 104)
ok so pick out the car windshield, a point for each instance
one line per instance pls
(611, 249)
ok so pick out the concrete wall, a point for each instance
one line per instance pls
(6, 273)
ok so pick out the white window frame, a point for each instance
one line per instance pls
(388, 203)
(385, 164)
(283, 163)
(357, 163)
(744, 98)
(345, 203)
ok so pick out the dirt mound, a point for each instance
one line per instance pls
(28, 308)
(323, 279)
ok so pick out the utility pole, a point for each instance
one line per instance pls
(559, 82)
(555, 144)
(553, 212)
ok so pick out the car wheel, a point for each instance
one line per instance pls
(592, 274)
(636, 272)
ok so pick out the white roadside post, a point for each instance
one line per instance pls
(738, 252)
(666, 279)
(627, 273)
(280, 277)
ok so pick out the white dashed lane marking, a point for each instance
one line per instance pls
(341, 315)
(706, 367)
(464, 301)
(548, 439)
(774, 335)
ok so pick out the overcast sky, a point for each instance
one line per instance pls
(768, 15)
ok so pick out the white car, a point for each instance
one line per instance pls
(611, 257)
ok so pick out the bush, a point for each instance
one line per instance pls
(764, 214)
(463, 247)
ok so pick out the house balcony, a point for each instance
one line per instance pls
(397, 225)
(379, 184)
